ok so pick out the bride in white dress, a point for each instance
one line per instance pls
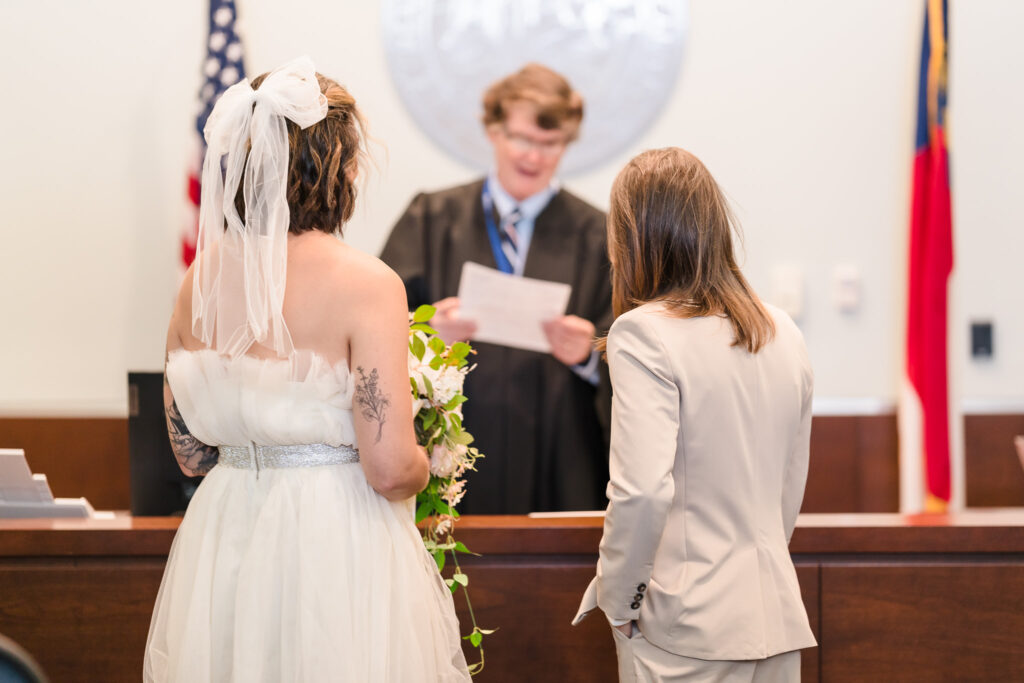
(287, 386)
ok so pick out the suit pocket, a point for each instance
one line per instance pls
(664, 611)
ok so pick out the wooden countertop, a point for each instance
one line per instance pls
(981, 531)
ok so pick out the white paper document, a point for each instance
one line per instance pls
(509, 310)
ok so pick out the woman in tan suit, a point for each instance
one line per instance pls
(711, 419)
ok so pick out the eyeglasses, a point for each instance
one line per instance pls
(524, 144)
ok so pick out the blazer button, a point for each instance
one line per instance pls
(634, 605)
(641, 588)
(638, 597)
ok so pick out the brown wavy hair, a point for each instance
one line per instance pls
(324, 161)
(557, 104)
(670, 240)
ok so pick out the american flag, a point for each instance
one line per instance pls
(222, 68)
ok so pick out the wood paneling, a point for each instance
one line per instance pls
(878, 486)
(973, 532)
(854, 465)
(994, 475)
(808, 574)
(889, 597)
(854, 460)
(79, 456)
(83, 620)
(833, 477)
(918, 623)
(532, 603)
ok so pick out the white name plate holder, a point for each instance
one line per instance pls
(24, 495)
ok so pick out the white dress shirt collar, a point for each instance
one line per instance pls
(529, 207)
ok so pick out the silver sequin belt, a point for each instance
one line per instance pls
(253, 457)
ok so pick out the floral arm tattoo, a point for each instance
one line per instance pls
(192, 454)
(374, 404)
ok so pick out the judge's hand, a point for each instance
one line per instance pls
(571, 338)
(448, 324)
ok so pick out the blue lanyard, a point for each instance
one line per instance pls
(504, 265)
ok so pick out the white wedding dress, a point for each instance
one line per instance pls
(292, 570)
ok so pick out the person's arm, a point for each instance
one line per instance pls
(645, 428)
(395, 466)
(194, 457)
(406, 252)
(449, 324)
(590, 369)
(572, 336)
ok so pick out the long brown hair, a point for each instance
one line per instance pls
(670, 240)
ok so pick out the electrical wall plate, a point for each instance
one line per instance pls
(847, 286)
(982, 346)
(787, 289)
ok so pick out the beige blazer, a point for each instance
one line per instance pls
(709, 452)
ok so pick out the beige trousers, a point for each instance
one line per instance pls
(642, 662)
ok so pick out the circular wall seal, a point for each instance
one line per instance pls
(622, 55)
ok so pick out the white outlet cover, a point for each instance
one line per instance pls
(787, 289)
(847, 285)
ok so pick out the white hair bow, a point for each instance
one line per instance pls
(240, 267)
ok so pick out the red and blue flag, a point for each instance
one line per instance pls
(930, 265)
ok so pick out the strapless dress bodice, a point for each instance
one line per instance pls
(302, 399)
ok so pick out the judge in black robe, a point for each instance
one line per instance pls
(540, 425)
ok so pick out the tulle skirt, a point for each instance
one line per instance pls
(300, 574)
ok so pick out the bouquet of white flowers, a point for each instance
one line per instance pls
(437, 372)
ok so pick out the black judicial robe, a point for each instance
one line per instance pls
(541, 428)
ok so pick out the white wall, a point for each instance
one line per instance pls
(987, 149)
(803, 110)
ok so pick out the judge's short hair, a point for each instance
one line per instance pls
(324, 162)
(556, 103)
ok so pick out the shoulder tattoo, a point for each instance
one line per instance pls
(372, 402)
